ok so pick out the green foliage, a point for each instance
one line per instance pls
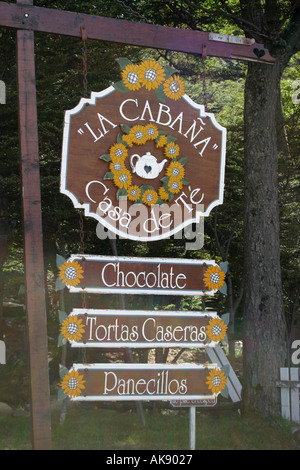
(169, 430)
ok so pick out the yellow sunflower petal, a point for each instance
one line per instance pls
(171, 150)
(174, 87)
(131, 76)
(133, 193)
(116, 166)
(162, 141)
(122, 179)
(118, 152)
(174, 185)
(151, 132)
(214, 277)
(72, 383)
(176, 170)
(216, 381)
(70, 273)
(216, 329)
(72, 328)
(153, 74)
(128, 140)
(163, 194)
(150, 197)
(138, 135)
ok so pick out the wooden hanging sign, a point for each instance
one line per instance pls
(117, 382)
(141, 157)
(127, 275)
(141, 329)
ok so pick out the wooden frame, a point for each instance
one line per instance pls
(26, 19)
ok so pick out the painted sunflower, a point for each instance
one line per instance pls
(163, 194)
(133, 193)
(70, 273)
(122, 178)
(151, 132)
(116, 166)
(174, 185)
(171, 150)
(162, 141)
(153, 74)
(216, 329)
(138, 135)
(214, 278)
(216, 381)
(72, 383)
(131, 77)
(72, 328)
(118, 152)
(128, 140)
(176, 170)
(174, 87)
(150, 197)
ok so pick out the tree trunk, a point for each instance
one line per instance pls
(264, 346)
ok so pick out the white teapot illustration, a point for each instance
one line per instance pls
(146, 166)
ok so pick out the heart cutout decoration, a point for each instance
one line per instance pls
(259, 52)
(147, 168)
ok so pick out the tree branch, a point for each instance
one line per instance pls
(186, 16)
(291, 33)
(241, 22)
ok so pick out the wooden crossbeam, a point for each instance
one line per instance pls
(47, 20)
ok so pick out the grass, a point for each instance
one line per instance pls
(101, 429)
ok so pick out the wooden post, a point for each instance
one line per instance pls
(33, 243)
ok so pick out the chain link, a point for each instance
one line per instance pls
(204, 82)
(81, 233)
(84, 61)
(85, 94)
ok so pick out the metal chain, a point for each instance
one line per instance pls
(84, 61)
(204, 82)
(85, 94)
(84, 68)
(81, 232)
(83, 294)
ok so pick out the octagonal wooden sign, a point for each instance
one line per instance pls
(141, 157)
